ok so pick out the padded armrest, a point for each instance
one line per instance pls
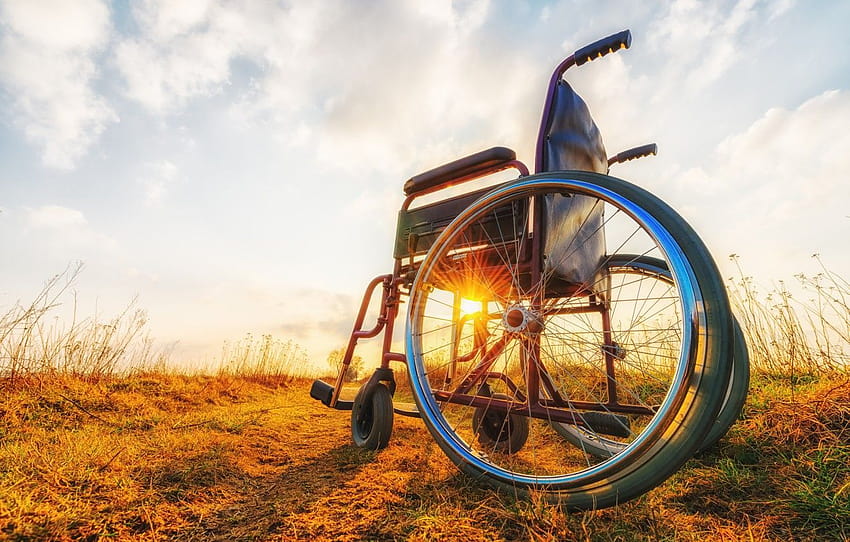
(465, 167)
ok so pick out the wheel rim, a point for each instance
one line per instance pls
(511, 294)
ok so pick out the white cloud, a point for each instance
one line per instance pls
(63, 230)
(779, 7)
(81, 25)
(184, 49)
(400, 101)
(796, 159)
(465, 16)
(700, 41)
(778, 191)
(56, 216)
(428, 88)
(161, 76)
(167, 20)
(47, 66)
(158, 179)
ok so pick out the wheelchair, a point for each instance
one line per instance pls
(567, 332)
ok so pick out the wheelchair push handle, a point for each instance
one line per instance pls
(597, 49)
(633, 153)
(600, 48)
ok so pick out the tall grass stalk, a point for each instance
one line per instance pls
(792, 334)
(34, 344)
(265, 359)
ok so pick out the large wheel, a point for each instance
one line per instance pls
(372, 417)
(552, 328)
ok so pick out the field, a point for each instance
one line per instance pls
(157, 457)
(89, 451)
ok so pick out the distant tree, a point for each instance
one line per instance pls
(355, 368)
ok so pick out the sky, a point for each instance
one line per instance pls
(238, 166)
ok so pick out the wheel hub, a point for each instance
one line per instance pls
(519, 319)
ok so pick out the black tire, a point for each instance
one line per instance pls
(736, 394)
(498, 431)
(691, 398)
(372, 418)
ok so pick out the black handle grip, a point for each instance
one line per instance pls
(597, 49)
(631, 154)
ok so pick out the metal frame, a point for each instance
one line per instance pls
(395, 287)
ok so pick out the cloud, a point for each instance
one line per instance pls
(778, 190)
(63, 230)
(791, 147)
(701, 41)
(56, 216)
(158, 179)
(47, 66)
(411, 92)
(184, 50)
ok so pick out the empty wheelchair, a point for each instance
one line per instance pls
(566, 331)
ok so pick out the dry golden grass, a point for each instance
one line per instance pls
(156, 457)
(35, 346)
(795, 330)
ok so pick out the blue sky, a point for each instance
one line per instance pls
(238, 165)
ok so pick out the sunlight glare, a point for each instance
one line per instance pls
(469, 306)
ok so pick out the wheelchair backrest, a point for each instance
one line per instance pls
(571, 140)
(575, 240)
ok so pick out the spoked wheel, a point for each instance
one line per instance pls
(521, 297)
(372, 418)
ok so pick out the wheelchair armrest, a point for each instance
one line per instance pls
(470, 166)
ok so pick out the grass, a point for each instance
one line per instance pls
(106, 448)
(34, 347)
(159, 457)
(795, 334)
(265, 360)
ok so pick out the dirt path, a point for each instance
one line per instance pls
(294, 474)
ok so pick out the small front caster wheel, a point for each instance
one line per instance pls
(372, 418)
(498, 431)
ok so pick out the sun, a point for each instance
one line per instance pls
(469, 306)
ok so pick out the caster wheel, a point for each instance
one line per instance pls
(372, 418)
(498, 431)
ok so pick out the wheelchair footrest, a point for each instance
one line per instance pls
(607, 424)
(406, 409)
(322, 391)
